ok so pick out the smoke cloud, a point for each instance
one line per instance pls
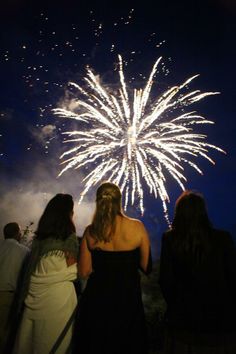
(24, 198)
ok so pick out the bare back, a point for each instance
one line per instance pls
(129, 235)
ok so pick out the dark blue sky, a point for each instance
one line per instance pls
(43, 46)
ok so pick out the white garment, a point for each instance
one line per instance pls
(12, 255)
(48, 306)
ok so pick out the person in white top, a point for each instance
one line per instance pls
(12, 256)
(48, 292)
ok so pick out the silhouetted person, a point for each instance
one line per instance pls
(113, 249)
(12, 256)
(48, 291)
(198, 280)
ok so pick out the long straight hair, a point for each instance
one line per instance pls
(108, 206)
(56, 220)
(191, 228)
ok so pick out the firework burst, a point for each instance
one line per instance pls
(128, 138)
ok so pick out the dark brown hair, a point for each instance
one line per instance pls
(108, 205)
(56, 220)
(191, 227)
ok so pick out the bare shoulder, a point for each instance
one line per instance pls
(135, 225)
(133, 221)
(87, 236)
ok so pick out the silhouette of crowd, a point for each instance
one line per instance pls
(70, 295)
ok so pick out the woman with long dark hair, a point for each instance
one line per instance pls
(48, 291)
(198, 280)
(113, 249)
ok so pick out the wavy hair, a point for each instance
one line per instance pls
(191, 227)
(56, 220)
(108, 206)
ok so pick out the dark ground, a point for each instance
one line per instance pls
(155, 306)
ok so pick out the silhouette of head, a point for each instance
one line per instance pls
(12, 230)
(190, 212)
(56, 220)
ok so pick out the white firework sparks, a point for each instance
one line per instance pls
(130, 141)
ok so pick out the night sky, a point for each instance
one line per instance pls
(44, 46)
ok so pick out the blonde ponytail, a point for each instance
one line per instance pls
(108, 205)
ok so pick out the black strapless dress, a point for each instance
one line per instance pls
(111, 315)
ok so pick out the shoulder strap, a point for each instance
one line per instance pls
(64, 331)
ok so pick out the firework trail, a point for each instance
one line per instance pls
(129, 139)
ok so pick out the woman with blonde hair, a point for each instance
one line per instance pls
(113, 249)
